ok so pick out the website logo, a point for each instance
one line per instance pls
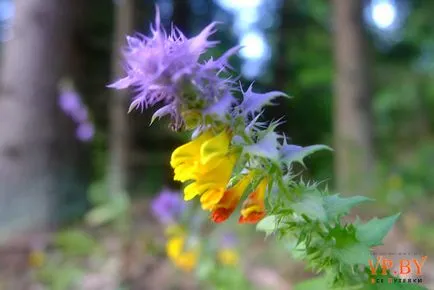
(396, 268)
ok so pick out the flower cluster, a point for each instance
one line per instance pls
(183, 254)
(168, 208)
(227, 254)
(183, 247)
(237, 159)
(71, 104)
(208, 162)
(221, 163)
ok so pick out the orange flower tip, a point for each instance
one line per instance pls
(220, 215)
(252, 218)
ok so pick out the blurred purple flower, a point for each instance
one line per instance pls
(165, 68)
(85, 132)
(229, 240)
(69, 102)
(80, 115)
(168, 206)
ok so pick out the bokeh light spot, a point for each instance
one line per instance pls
(254, 45)
(383, 14)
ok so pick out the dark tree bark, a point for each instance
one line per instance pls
(30, 143)
(353, 120)
(118, 118)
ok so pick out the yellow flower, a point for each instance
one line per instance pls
(228, 257)
(207, 163)
(185, 159)
(183, 259)
(36, 259)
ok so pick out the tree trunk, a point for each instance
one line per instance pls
(352, 105)
(119, 124)
(30, 155)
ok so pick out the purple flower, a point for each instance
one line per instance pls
(165, 68)
(168, 206)
(69, 102)
(80, 115)
(229, 240)
(85, 132)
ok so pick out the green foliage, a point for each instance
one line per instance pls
(320, 283)
(373, 232)
(98, 193)
(108, 209)
(323, 283)
(60, 278)
(268, 225)
(336, 206)
(423, 235)
(220, 277)
(115, 208)
(312, 218)
(75, 242)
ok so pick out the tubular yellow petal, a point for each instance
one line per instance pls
(231, 197)
(196, 188)
(206, 162)
(185, 172)
(253, 209)
(211, 197)
(215, 148)
(190, 150)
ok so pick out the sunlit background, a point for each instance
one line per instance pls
(286, 45)
(251, 20)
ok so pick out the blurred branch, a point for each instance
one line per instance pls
(33, 168)
(353, 121)
(118, 118)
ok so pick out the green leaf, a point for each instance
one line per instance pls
(298, 251)
(373, 232)
(101, 215)
(98, 193)
(205, 269)
(312, 206)
(75, 242)
(110, 211)
(337, 206)
(269, 224)
(353, 254)
(65, 276)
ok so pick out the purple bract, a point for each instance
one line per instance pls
(165, 68)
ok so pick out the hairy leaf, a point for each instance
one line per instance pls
(373, 232)
(337, 206)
